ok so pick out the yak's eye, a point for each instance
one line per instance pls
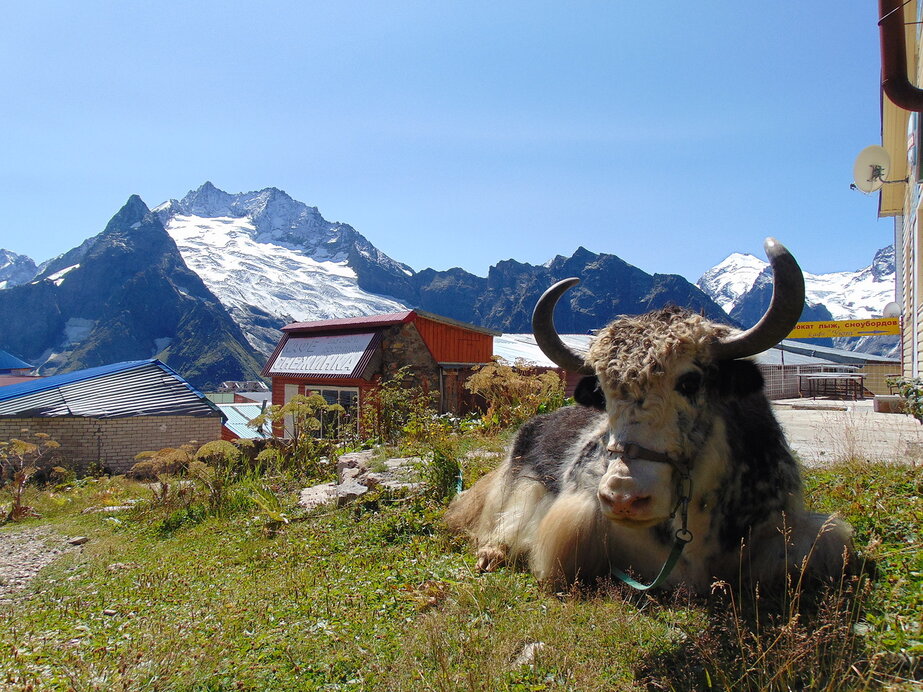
(688, 385)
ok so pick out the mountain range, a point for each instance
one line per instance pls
(742, 286)
(205, 282)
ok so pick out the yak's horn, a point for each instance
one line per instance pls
(783, 313)
(547, 337)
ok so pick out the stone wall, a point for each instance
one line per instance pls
(112, 443)
(403, 346)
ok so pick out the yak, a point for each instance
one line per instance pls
(671, 466)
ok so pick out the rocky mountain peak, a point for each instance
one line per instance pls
(883, 264)
(15, 269)
(131, 213)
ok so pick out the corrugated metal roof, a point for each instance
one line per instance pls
(837, 355)
(119, 390)
(385, 320)
(378, 321)
(10, 362)
(237, 417)
(513, 346)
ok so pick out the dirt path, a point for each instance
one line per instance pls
(823, 432)
(23, 552)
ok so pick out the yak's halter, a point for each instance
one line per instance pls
(683, 535)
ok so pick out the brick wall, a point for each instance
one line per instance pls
(113, 442)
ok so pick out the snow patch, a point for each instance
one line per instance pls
(58, 277)
(162, 343)
(251, 273)
(513, 347)
(76, 329)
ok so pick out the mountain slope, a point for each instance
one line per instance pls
(125, 294)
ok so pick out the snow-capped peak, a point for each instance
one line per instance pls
(272, 259)
(731, 278)
(15, 269)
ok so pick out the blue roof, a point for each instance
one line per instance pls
(10, 362)
(238, 415)
(133, 388)
(52, 382)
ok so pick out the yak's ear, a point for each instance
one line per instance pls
(589, 393)
(739, 377)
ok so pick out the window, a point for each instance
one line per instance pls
(339, 424)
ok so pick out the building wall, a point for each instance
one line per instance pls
(112, 443)
(451, 344)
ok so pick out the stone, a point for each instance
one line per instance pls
(317, 495)
(349, 491)
(527, 655)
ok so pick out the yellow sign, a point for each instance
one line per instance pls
(814, 330)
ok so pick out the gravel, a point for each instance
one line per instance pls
(25, 551)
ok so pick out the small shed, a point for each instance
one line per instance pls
(342, 359)
(11, 365)
(106, 415)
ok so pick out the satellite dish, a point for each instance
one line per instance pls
(892, 309)
(871, 168)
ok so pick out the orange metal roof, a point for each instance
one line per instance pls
(375, 321)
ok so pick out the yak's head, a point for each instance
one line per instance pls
(662, 379)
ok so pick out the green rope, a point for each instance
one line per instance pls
(677, 550)
(680, 539)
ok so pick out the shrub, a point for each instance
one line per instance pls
(19, 461)
(167, 461)
(515, 392)
(911, 390)
(396, 410)
(304, 451)
(441, 471)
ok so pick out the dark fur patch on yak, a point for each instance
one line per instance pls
(543, 445)
(589, 393)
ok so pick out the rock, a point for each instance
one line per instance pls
(349, 491)
(527, 655)
(355, 479)
(78, 540)
(317, 495)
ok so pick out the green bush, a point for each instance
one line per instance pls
(398, 411)
(304, 452)
(911, 390)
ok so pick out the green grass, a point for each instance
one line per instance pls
(377, 596)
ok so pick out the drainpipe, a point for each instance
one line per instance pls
(894, 79)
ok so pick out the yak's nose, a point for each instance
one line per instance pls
(626, 505)
(623, 497)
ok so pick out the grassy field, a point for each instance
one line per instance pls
(172, 595)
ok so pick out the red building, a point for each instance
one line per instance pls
(342, 359)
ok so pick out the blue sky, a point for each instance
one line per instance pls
(455, 133)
